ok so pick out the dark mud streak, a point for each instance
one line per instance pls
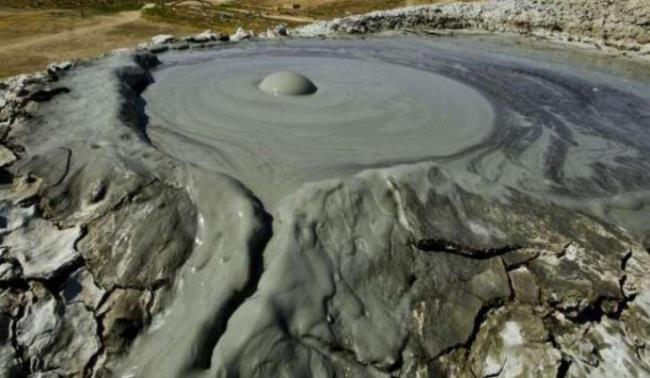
(46, 94)
(603, 115)
(448, 246)
(68, 161)
(23, 364)
(481, 317)
(133, 81)
(89, 369)
(133, 113)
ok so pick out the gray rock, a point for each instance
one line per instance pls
(57, 337)
(241, 34)
(206, 36)
(513, 342)
(7, 156)
(15, 217)
(9, 272)
(162, 39)
(21, 189)
(76, 342)
(41, 248)
(61, 66)
(10, 302)
(124, 314)
(38, 327)
(81, 288)
(9, 363)
(525, 286)
(88, 189)
(612, 350)
(520, 256)
(142, 242)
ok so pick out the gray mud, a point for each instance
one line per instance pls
(370, 110)
(544, 126)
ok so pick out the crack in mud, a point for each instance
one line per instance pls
(448, 246)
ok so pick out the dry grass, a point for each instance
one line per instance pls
(29, 40)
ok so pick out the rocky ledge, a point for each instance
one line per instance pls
(618, 25)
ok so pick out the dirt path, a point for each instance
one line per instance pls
(282, 17)
(276, 16)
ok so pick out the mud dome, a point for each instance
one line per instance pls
(462, 206)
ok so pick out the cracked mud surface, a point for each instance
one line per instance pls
(142, 241)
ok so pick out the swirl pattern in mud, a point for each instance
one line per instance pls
(365, 112)
(547, 128)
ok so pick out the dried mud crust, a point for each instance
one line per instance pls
(78, 217)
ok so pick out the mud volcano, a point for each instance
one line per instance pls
(288, 83)
(398, 206)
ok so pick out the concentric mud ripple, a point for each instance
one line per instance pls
(543, 127)
(366, 112)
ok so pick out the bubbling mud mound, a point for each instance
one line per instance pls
(436, 207)
(288, 83)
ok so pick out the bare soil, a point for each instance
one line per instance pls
(30, 39)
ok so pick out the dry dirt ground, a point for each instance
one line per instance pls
(30, 39)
